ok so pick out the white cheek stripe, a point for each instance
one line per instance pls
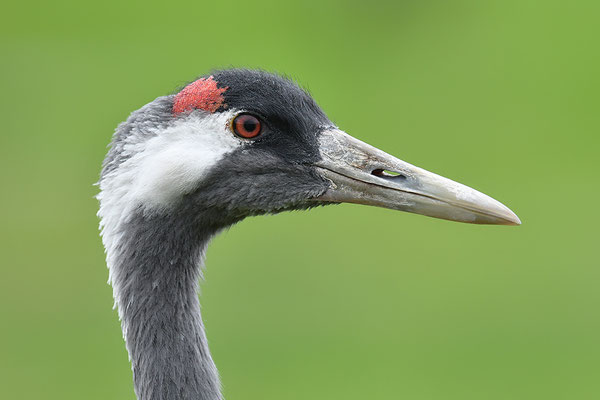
(170, 164)
(164, 168)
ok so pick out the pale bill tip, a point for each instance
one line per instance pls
(513, 219)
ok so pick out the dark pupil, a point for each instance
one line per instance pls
(249, 125)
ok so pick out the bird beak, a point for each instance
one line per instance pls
(362, 174)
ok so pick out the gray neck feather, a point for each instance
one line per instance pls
(155, 277)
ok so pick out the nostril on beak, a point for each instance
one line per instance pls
(388, 175)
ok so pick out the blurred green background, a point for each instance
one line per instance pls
(351, 302)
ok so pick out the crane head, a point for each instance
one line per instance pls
(243, 142)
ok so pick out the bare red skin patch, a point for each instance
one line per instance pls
(202, 94)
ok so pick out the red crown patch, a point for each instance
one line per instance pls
(201, 94)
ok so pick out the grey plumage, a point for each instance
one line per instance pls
(139, 126)
(156, 280)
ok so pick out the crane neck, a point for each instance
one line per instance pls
(155, 265)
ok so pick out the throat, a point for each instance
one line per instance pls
(155, 268)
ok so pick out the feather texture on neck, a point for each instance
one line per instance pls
(155, 264)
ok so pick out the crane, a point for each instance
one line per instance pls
(229, 145)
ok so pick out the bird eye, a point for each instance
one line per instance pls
(247, 126)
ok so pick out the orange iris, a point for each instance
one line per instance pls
(247, 126)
